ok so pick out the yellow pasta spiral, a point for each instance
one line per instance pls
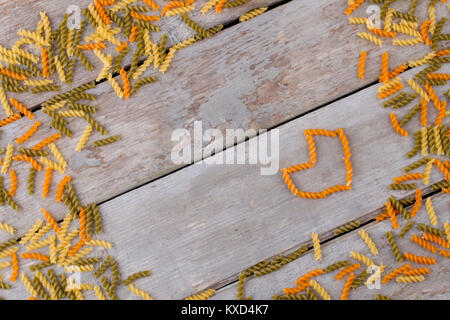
(36, 83)
(388, 20)
(8, 252)
(28, 286)
(320, 290)
(122, 4)
(75, 268)
(169, 57)
(360, 257)
(251, 14)
(80, 254)
(8, 158)
(5, 103)
(98, 293)
(38, 245)
(156, 55)
(180, 10)
(407, 42)
(422, 61)
(58, 155)
(46, 25)
(7, 228)
(202, 296)
(432, 18)
(115, 85)
(53, 165)
(147, 63)
(409, 279)
(368, 240)
(185, 43)
(370, 37)
(105, 70)
(357, 20)
(447, 230)
(427, 172)
(424, 142)
(406, 30)
(30, 233)
(60, 69)
(431, 212)
(38, 40)
(84, 137)
(99, 243)
(208, 6)
(316, 245)
(415, 86)
(141, 293)
(437, 139)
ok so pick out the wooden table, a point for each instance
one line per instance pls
(197, 226)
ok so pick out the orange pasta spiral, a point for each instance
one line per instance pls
(83, 221)
(122, 46)
(423, 243)
(384, 66)
(47, 141)
(417, 272)
(441, 114)
(22, 108)
(12, 74)
(424, 32)
(438, 240)
(407, 177)
(152, 4)
(171, 5)
(10, 119)
(417, 204)
(77, 247)
(444, 253)
(419, 259)
(15, 267)
(439, 76)
(50, 220)
(390, 276)
(391, 213)
(397, 71)
(390, 91)
(60, 188)
(348, 283)
(353, 6)
(383, 33)
(101, 11)
(133, 33)
(27, 135)
(341, 274)
(35, 256)
(220, 4)
(433, 96)
(47, 182)
(423, 112)
(361, 64)
(443, 52)
(13, 186)
(22, 157)
(397, 127)
(143, 17)
(126, 83)
(45, 64)
(303, 281)
(442, 168)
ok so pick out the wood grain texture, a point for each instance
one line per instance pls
(200, 225)
(233, 82)
(435, 287)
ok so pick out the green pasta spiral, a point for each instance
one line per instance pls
(434, 82)
(82, 107)
(405, 101)
(346, 228)
(398, 206)
(141, 82)
(416, 164)
(410, 115)
(119, 58)
(360, 278)
(136, 276)
(337, 265)
(4, 285)
(417, 144)
(45, 88)
(106, 141)
(395, 100)
(406, 228)
(290, 297)
(194, 26)
(35, 71)
(86, 261)
(40, 266)
(95, 124)
(146, 25)
(30, 180)
(11, 88)
(393, 244)
(62, 128)
(428, 229)
(405, 16)
(235, 3)
(381, 297)
(84, 61)
(10, 200)
(310, 294)
(105, 265)
(37, 285)
(7, 244)
(403, 186)
(55, 283)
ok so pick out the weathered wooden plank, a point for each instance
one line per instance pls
(147, 121)
(18, 15)
(201, 224)
(436, 285)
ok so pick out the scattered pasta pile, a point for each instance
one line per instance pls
(433, 138)
(47, 65)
